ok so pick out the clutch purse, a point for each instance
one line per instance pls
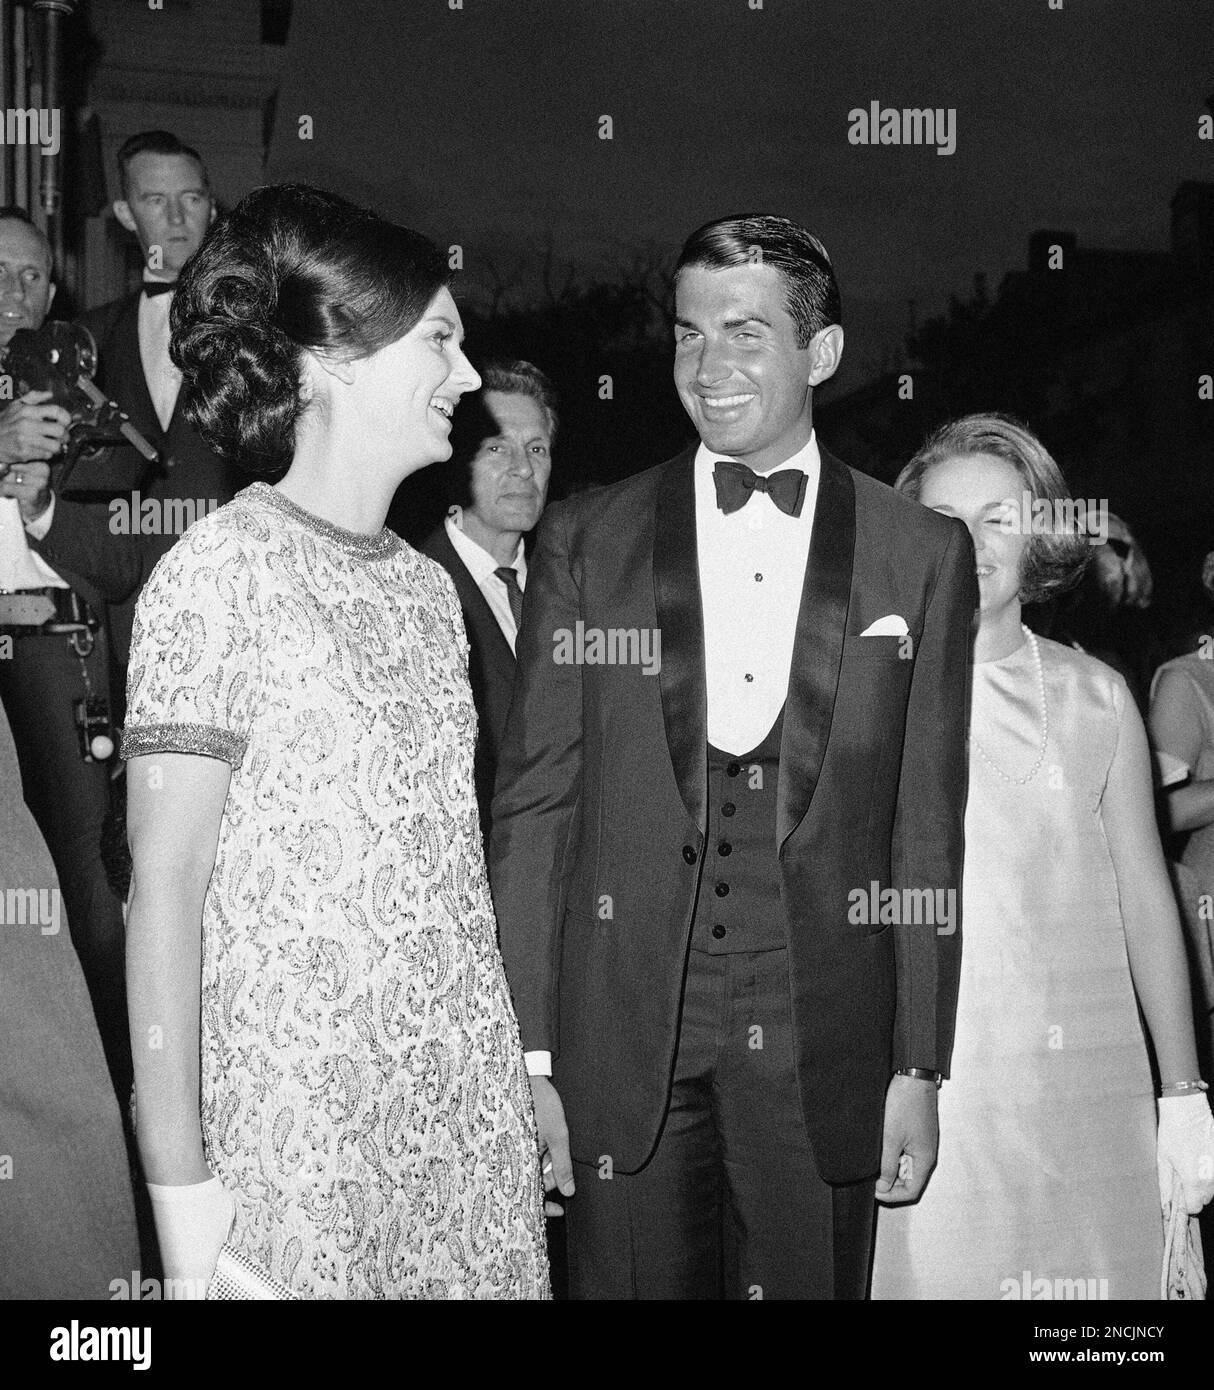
(1183, 1269)
(237, 1276)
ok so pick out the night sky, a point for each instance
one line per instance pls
(480, 126)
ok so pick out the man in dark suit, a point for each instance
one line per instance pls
(740, 704)
(502, 441)
(118, 515)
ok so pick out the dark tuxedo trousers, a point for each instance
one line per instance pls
(731, 1205)
(602, 797)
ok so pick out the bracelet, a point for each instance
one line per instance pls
(921, 1074)
(1182, 1088)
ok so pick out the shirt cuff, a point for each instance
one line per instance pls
(538, 1063)
(41, 524)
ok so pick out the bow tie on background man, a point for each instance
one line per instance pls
(154, 287)
(736, 484)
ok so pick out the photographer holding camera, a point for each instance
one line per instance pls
(54, 661)
(167, 206)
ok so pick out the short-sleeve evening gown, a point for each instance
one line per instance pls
(1046, 1165)
(363, 1090)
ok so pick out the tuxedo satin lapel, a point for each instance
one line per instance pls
(676, 592)
(818, 648)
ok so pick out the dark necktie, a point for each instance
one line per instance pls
(736, 484)
(509, 577)
(154, 287)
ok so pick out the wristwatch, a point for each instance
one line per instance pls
(921, 1074)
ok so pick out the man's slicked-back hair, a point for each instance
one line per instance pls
(155, 142)
(811, 289)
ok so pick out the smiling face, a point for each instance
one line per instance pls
(741, 376)
(985, 492)
(167, 205)
(404, 395)
(510, 469)
(26, 291)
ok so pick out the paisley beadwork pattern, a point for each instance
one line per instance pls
(364, 1095)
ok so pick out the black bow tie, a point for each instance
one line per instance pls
(154, 287)
(736, 483)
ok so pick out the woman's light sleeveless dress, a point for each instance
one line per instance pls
(1046, 1175)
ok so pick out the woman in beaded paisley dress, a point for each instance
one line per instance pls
(330, 1084)
(1051, 1160)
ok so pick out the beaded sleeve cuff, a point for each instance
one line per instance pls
(142, 739)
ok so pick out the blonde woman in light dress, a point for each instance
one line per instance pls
(1054, 1150)
(330, 1085)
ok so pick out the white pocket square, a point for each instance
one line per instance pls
(889, 626)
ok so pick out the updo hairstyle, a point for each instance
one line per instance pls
(291, 267)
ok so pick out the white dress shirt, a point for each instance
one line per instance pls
(752, 572)
(21, 567)
(163, 379)
(481, 565)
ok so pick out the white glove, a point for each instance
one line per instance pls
(1186, 1145)
(192, 1223)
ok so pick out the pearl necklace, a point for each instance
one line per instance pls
(1045, 720)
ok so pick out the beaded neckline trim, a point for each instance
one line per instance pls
(352, 542)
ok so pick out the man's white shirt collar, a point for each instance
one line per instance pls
(479, 563)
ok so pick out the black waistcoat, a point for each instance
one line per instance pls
(739, 908)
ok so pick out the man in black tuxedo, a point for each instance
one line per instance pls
(167, 204)
(740, 703)
(501, 462)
